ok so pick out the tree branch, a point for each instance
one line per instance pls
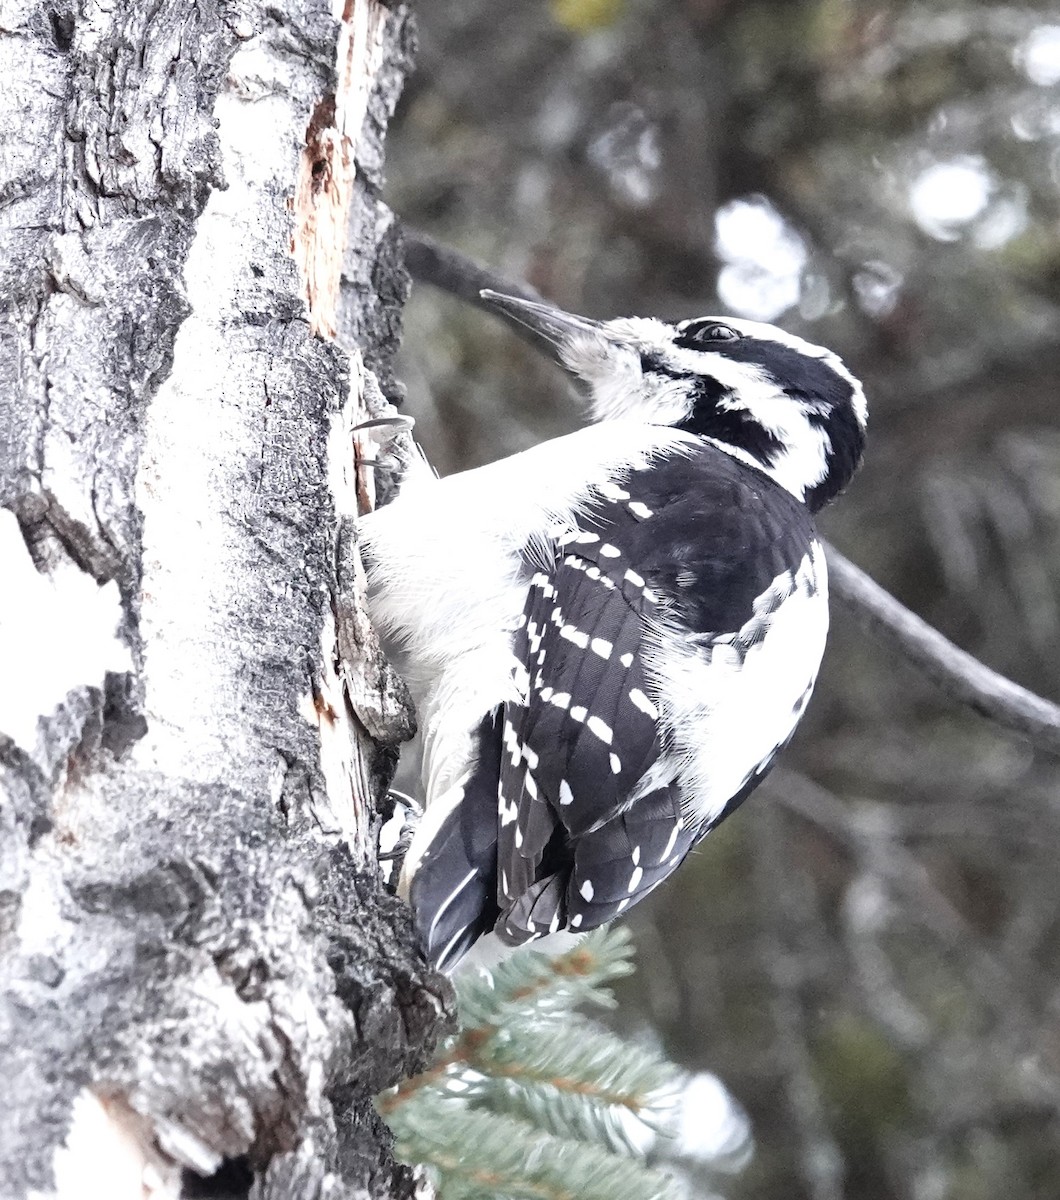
(956, 673)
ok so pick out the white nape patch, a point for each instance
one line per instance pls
(566, 796)
(724, 715)
(802, 460)
(58, 632)
(109, 1154)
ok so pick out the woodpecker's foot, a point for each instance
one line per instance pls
(390, 439)
(385, 429)
(396, 835)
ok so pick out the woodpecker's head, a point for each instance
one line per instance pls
(791, 407)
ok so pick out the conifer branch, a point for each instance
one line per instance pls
(527, 985)
(530, 1099)
(501, 1156)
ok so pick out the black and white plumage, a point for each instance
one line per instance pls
(611, 636)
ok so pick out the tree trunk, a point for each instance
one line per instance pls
(201, 972)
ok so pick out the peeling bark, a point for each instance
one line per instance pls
(201, 974)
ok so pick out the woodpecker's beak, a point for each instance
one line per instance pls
(553, 324)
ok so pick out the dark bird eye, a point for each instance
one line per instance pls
(702, 333)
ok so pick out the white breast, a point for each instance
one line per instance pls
(447, 568)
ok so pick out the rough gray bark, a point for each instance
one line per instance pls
(200, 291)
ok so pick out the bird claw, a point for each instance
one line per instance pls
(393, 856)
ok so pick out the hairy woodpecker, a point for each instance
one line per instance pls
(611, 636)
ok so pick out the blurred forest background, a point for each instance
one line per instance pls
(863, 964)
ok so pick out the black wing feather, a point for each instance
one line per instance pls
(702, 534)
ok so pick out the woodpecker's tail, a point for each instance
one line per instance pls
(450, 872)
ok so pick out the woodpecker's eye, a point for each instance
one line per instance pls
(703, 333)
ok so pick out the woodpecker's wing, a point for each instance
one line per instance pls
(592, 814)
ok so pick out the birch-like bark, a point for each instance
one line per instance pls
(200, 291)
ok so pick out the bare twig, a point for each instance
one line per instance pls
(955, 672)
(428, 261)
(962, 677)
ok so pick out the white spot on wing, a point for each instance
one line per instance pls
(602, 730)
(634, 879)
(586, 890)
(643, 703)
(640, 510)
(575, 635)
(602, 647)
(609, 551)
(672, 842)
(566, 796)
